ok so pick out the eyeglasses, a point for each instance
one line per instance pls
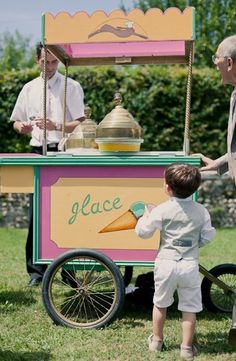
(214, 57)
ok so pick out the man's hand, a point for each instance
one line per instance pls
(210, 164)
(49, 124)
(23, 127)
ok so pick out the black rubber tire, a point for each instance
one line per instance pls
(213, 297)
(91, 296)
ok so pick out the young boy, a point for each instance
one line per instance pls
(184, 226)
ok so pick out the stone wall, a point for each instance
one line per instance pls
(218, 194)
(14, 210)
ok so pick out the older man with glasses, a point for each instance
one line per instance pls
(225, 61)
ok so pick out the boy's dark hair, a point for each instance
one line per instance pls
(183, 179)
(39, 47)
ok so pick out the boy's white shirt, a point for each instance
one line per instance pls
(153, 220)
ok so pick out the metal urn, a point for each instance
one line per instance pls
(118, 131)
(83, 136)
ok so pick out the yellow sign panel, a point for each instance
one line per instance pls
(81, 207)
(16, 179)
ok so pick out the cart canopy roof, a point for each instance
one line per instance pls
(120, 38)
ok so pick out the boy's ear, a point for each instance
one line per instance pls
(168, 189)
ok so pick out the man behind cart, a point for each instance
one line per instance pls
(28, 119)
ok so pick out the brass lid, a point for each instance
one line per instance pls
(119, 123)
(87, 128)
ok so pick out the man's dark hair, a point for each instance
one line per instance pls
(183, 179)
(39, 47)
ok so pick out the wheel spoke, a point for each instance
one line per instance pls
(101, 304)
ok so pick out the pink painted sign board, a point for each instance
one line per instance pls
(49, 176)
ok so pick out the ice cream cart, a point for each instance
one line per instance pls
(78, 195)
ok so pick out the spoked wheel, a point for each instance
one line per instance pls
(83, 288)
(215, 298)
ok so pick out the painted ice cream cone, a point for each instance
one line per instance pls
(127, 220)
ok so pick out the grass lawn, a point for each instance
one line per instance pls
(27, 333)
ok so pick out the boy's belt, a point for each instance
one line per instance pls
(182, 243)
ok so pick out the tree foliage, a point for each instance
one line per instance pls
(16, 52)
(215, 20)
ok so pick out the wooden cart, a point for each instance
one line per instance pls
(76, 195)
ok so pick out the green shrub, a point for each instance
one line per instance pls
(217, 213)
(154, 95)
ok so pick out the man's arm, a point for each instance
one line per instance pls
(222, 164)
(19, 115)
(75, 103)
(70, 126)
(50, 125)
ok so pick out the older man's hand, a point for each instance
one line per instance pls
(210, 164)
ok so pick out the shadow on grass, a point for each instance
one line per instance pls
(24, 356)
(217, 342)
(16, 298)
(139, 304)
(213, 341)
(216, 316)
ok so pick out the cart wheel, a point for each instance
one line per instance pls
(127, 273)
(83, 288)
(215, 298)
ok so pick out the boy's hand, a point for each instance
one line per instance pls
(149, 208)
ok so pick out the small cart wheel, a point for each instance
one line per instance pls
(83, 288)
(215, 298)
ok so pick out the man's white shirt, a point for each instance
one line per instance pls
(29, 104)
